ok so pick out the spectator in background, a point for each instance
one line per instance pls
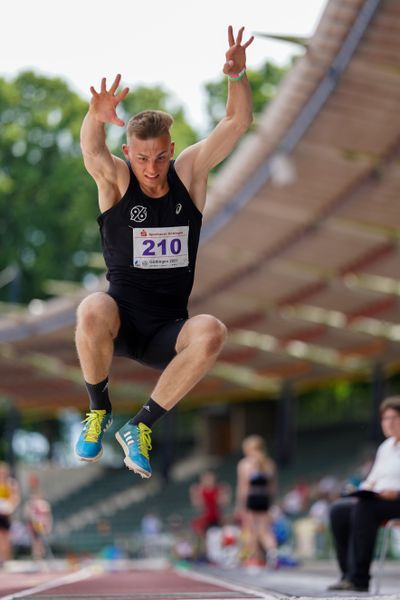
(355, 520)
(256, 486)
(150, 524)
(9, 500)
(40, 521)
(209, 497)
(151, 528)
(326, 491)
(296, 500)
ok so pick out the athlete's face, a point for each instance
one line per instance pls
(150, 160)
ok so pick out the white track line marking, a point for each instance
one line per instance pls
(71, 578)
(223, 583)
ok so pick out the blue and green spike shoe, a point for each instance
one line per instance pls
(136, 443)
(88, 447)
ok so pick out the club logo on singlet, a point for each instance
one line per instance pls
(139, 214)
(178, 209)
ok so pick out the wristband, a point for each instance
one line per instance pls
(239, 76)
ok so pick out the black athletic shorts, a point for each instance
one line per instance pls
(258, 503)
(145, 335)
(5, 522)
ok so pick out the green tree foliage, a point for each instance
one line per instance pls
(263, 82)
(48, 203)
(46, 200)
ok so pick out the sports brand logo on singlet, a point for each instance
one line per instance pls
(139, 214)
(160, 247)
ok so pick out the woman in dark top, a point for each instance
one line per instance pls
(256, 486)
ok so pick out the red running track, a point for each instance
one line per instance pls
(129, 584)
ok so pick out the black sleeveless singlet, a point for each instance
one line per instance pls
(140, 233)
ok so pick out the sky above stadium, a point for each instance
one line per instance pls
(179, 44)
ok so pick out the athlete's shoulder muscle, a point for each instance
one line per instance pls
(112, 189)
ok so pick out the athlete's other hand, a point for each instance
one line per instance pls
(104, 103)
(236, 55)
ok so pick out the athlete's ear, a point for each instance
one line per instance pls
(172, 148)
(125, 150)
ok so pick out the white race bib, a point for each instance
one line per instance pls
(160, 247)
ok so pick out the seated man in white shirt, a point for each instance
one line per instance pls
(355, 521)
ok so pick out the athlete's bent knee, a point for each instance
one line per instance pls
(214, 334)
(98, 311)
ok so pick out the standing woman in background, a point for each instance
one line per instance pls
(256, 486)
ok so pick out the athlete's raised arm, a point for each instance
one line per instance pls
(194, 164)
(105, 168)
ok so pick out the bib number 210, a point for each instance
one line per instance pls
(150, 247)
(160, 247)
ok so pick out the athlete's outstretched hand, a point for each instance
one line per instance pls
(236, 55)
(104, 103)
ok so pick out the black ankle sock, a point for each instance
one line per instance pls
(149, 413)
(98, 395)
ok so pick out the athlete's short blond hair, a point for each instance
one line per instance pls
(149, 124)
